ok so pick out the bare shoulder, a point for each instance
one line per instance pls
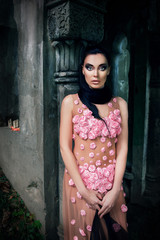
(122, 103)
(123, 106)
(67, 102)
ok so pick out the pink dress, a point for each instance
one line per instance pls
(95, 152)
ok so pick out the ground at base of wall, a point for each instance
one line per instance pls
(16, 222)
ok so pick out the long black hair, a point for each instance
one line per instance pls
(90, 96)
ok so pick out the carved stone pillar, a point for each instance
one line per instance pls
(67, 56)
(120, 66)
(71, 26)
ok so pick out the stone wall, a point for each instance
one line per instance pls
(22, 154)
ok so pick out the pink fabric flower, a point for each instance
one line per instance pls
(82, 232)
(83, 135)
(82, 146)
(91, 154)
(105, 132)
(110, 161)
(117, 112)
(116, 140)
(103, 139)
(75, 119)
(83, 121)
(85, 174)
(104, 158)
(79, 195)
(73, 221)
(110, 177)
(110, 104)
(114, 100)
(73, 200)
(81, 169)
(108, 186)
(83, 212)
(92, 121)
(106, 172)
(100, 172)
(73, 136)
(84, 129)
(85, 165)
(96, 130)
(75, 238)
(98, 163)
(82, 158)
(92, 168)
(102, 189)
(116, 227)
(90, 185)
(80, 110)
(76, 102)
(114, 124)
(76, 128)
(89, 228)
(124, 208)
(93, 145)
(71, 183)
(109, 144)
(111, 152)
(87, 113)
(91, 135)
(110, 167)
(97, 154)
(84, 106)
(103, 149)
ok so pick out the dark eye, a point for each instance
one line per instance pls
(89, 67)
(103, 67)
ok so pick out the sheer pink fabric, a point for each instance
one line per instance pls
(95, 151)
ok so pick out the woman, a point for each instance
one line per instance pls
(93, 198)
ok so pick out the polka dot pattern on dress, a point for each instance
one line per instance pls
(91, 154)
(83, 212)
(103, 149)
(124, 208)
(82, 232)
(76, 101)
(75, 238)
(73, 221)
(82, 146)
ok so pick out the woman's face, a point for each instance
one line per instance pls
(95, 70)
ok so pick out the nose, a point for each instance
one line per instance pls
(95, 72)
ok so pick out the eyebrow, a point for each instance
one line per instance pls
(102, 64)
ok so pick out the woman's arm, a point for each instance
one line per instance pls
(69, 159)
(122, 147)
(122, 150)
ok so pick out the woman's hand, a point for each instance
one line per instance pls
(108, 202)
(93, 199)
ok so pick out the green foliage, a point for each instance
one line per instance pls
(16, 222)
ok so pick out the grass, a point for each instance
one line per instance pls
(16, 222)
